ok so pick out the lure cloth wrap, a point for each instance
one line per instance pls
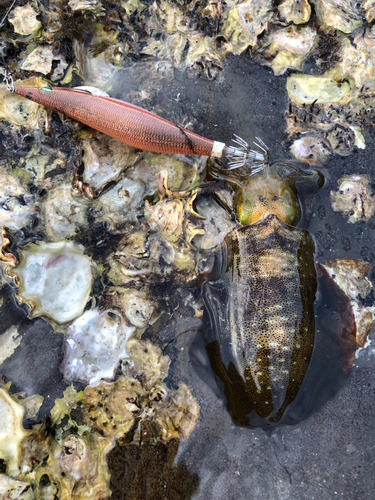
(121, 120)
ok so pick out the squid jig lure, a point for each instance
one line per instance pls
(133, 125)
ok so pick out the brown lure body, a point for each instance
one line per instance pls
(122, 121)
(285, 332)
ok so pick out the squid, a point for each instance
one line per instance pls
(130, 124)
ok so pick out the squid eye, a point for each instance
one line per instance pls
(261, 199)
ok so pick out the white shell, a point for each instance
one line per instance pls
(94, 346)
(57, 277)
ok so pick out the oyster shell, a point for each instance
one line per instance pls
(94, 346)
(312, 149)
(111, 408)
(306, 89)
(12, 432)
(139, 401)
(121, 203)
(135, 305)
(24, 20)
(358, 59)
(56, 278)
(354, 198)
(17, 207)
(178, 417)
(343, 15)
(350, 275)
(76, 468)
(341, 99)
(243, 23)
(287, 48)
(294, 11)
(82, 5)
(15, 490)
(9, 341)
(20, 111)
(105, 159)
(64, 213)
(216, 224)
(169, 219)
(147, 360)
(40, 60)
(183, 172)
(40, 162)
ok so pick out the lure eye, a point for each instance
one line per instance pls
(46, 89)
